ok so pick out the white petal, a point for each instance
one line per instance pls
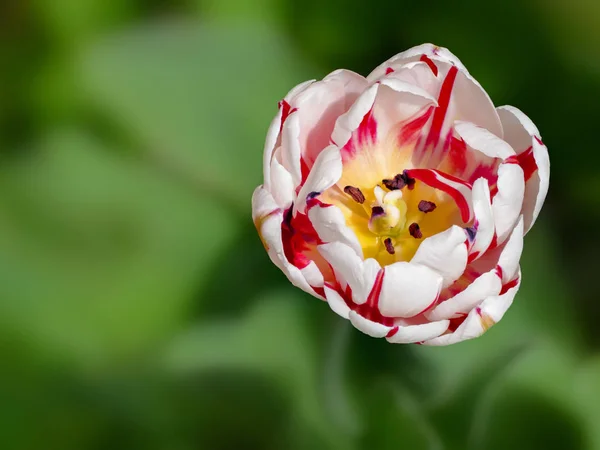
(521, 133)
(263, 204)
(413, 54)
(337, 303)
(324, 174)
(348, 122)
(270, 143)
(418, 333)
(480, 319)
(507, 203)
(408, 289)
(485, 285)
(367, 326)
(298, 89)
(348, 266)
(330, 224)
(313, 275)
(282, 185)
(509, 258)
(483, 140)
(445, 253)
(495, 307)
(290, 147)
(484, 217)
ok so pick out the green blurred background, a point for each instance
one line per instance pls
(138, 309)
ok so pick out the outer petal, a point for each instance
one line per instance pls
(350, 268)
(413, 54)
(509, 199)
(408, 289)
(417, 333)
(445, 253)
(522, 134)
(330, 224)
(282, 184)
(511, 253)
(337, 303)
(270, 143)
(349, 121)
(485, 285)
(318, 107)
(268, 218)
(480, 319)
(483, 140)
(324, 174)
(367, 326)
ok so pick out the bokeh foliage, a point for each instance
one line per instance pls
(138, 309)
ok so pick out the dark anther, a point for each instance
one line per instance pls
(410, 182)
(425, 206)
(396, 183)
(399, 181)
(355, 193)
(471, 232)
(415, 230)
(312, 195)
(389, 246)
(377, 211)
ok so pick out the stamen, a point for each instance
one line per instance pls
(396, 183)
(399, 181)
(425, 206)
(410, 182)
(389, 246)
(415, 230)
(377, 211)
(355, 193)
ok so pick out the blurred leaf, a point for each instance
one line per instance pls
(587, 397)
(242, 10)
(394, 419)
(99, 255)
(198, 98)
(273, 339)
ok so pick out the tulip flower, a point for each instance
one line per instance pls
(401, 199)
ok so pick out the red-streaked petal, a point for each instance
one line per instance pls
(408, 289)
(337, 304)
(445, 253)
(350, 121)
(459, 190)
(523, 135)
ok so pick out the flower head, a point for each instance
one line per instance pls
(402, 198)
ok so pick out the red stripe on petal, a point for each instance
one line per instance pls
(286, 110)
(509, 285)
(411, 130)
(443, 103)
(389, 70)
(297, 237)
(427, 60)
(527, 162)
(367, 130)
(370, 309)
(443, 181)
(392, 332)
